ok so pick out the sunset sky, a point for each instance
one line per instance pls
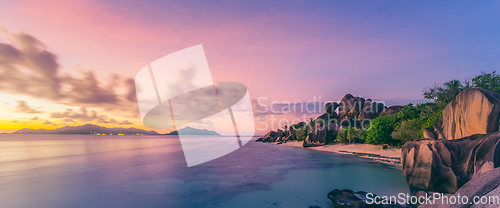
(74, 62)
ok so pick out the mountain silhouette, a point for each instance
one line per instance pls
(193, 131)
(86, 129)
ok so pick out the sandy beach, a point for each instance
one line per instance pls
(390, 156)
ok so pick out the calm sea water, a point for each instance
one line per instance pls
(150, 171)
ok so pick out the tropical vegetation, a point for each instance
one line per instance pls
(409, 123)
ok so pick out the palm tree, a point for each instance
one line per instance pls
(451, 90)
(445, 94)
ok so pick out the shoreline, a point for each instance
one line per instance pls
(375, 153)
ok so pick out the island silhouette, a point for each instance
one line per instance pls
(92, 129)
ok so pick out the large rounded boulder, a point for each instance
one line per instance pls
(474, 111)
(320, 134)
(350, 106)
(371, 110)
(427, 165)
(330, 107)
(271, 136)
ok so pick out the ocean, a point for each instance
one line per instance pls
(150, 171)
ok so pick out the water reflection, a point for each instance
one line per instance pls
(150, 171)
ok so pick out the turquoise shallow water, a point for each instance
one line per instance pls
(150, 171)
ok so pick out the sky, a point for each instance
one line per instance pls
(74, 62)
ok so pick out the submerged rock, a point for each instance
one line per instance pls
(350, 199)
(343, 197)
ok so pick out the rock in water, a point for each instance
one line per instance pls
(474, 111)
(350, 199)
(446, 165)
(342, 197)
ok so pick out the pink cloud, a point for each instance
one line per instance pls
(281, 56)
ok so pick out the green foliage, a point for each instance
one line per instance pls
(342, 136)
(361, 136)
(408, 112)
(413, 120)
(487, 81)
(406, 125)
(442, 95)
(330, 136)
(380, 130)
(447, 93)
(431, 120)
(310, 125)
(408, 130)
(385, 147)
(409, 123)
(301, 134)
(351, 135)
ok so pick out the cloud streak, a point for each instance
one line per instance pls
(23, 107)
(27, 68)
(85, 115)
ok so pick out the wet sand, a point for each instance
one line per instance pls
(390, 156)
